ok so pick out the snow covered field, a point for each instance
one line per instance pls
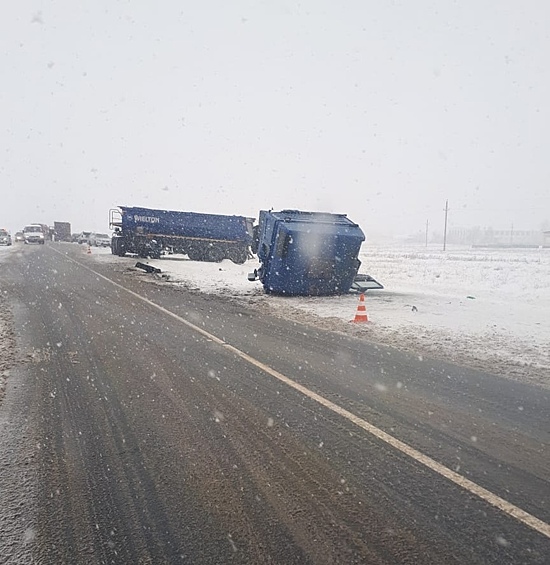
(482, 307)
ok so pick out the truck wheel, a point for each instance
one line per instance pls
(215, 254)
(194, 254)
(238, 255)
(117, 246)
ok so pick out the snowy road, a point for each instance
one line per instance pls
(156, 426)
(484, 308)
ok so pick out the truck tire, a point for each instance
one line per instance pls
(118, 247)
(238, 255)
(154, 249)
(215, 254)
(194, 254)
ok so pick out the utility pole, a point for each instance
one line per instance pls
(445, 231)
(427, 224)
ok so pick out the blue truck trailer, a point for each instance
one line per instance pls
(309, 254)
(203, 237)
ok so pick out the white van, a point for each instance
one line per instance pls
(33, 233)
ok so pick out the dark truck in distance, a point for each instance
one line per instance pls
(148, 232)
(309, 254)
(62, 231)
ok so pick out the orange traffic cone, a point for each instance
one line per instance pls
(89, 250)
(361, 314)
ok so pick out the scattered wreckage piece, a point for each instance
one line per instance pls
(148, 268)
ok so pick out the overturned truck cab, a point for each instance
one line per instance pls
(147, 232)
(309, 254)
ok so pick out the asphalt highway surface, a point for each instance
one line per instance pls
(143, 423)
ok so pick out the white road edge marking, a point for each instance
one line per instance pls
(473, 488)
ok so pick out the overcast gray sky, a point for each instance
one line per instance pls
(378, 109)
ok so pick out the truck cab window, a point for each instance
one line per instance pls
(283, 242)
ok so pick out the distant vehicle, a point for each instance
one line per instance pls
(62, 231)
(34, 233)
(202, 237)
(100, 240)
(19, 236)
(83, 237)
(5, 237)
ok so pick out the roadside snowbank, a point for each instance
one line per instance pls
(484, 308)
